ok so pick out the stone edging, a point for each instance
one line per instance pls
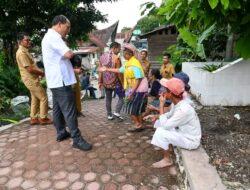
(197, 172)
(12, 125)
(15, 124)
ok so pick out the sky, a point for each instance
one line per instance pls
(126, 11)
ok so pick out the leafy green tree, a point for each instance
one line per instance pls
(148, 23)
(35, 16)
(125, 29)
(194, 18)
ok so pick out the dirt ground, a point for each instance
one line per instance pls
(226, 139)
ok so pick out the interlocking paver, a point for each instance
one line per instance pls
(31, 158)
(93, 186)
(27, 184)
(89, 177)
(77, 186)
(3, 180)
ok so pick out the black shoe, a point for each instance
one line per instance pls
(63, 137)
(80, 114)
(82, 145)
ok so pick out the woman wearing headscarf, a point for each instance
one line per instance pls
(135, 84)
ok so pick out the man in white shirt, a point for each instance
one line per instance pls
(60, 76)
(179, 127)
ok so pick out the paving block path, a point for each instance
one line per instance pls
(30, 157)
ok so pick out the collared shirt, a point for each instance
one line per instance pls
(183, 117)
(133, 71)
(58, 70)
(167, 71)
(109, 79)
(146, 67)
(24, 60)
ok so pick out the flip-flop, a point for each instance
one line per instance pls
(136, 129)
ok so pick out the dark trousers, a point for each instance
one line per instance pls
(109, 97)
(64, 111)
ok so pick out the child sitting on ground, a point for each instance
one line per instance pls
(153, 98)
(179, 127)
(185, 79)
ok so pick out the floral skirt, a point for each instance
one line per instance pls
(137, 105)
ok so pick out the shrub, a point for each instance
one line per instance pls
(10, 83)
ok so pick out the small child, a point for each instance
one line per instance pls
(179, 127)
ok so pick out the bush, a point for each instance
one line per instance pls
(10, 83)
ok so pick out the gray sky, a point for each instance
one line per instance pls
(126, 11)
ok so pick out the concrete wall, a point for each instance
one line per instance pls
(228, 86)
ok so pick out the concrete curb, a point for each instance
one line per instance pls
(15, 124)
(12, 125)
(197, 171)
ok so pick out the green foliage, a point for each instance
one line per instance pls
(35, 18)
(213, 3)
(148, 23)
(125, 29)
(8, 120)
(196, 16)
(10, 83)
(181, 53)
(211, 68)
(43, 83)
(243, 46)
(215, 45)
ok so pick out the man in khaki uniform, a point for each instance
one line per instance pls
(144, 62)
(167, 69)
(30, 77)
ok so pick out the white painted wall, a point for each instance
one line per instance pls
(228, 86)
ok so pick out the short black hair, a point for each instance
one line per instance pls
(21, 35)
(156, 73)
(167, 54)
(114, 45)
(59, 19)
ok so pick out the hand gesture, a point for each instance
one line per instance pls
(162, 99)
(100, 86)
(102, 69)
(151, 107)
(78, 70)
(153, 118)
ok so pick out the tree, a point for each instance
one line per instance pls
(35, 16)
(148, 23)
(194, 19)
(125, 29)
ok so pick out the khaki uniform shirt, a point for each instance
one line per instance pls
(118, 64)
(24, 60)
(146, 67)
(167, 71)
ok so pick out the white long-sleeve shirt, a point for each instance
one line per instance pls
(183, 117)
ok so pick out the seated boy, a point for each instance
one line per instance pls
(179, 127)
(168, 104)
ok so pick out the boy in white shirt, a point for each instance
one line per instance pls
(179, 127)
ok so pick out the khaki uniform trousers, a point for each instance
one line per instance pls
(39, 100)
(77, 90)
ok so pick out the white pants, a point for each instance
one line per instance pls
(163, 138)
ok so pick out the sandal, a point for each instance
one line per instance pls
(136, 129)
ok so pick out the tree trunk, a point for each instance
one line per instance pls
(229, 45)
(9, 52)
